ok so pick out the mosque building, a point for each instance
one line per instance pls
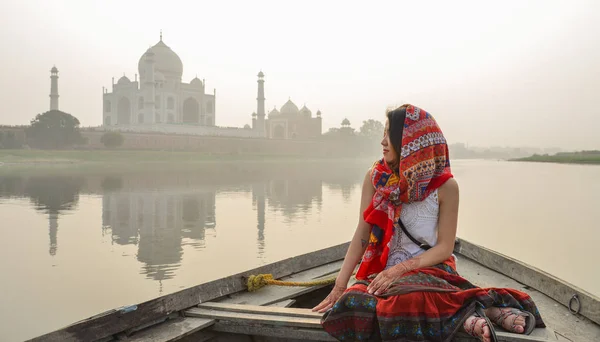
(287, 123)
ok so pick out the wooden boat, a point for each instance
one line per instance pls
(223, 310)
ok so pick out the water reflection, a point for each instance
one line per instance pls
(258, 202)
(167, 214)
(53, 195)
(159, 221)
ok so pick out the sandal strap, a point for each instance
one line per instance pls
(471, 327)
(504, 314)
(479, 310)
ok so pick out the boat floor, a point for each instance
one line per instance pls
(267, 316)
(568, 327)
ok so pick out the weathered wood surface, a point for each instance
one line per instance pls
(561, 323)
(284, 303)
(282, 332)
(171, 330)
(272, 294)
(179, 327)
(175, 330)
(115, 321)
(254, 318)
(505, 337)
(557, 289)
(260, 310)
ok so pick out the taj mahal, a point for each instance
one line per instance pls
(161, 102)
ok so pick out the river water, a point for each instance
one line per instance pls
(76, 241)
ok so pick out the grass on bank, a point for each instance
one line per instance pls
(582, 157)
(135, 159)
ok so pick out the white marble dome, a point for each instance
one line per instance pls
(166, 61)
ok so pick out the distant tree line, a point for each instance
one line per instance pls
(10, 140)
(370, 129)
(53, 129)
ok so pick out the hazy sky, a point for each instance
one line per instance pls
(509, 73)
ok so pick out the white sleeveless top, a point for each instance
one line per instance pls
(421, 221)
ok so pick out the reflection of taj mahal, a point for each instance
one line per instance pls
(160, 224)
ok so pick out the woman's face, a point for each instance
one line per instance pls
(389, 154)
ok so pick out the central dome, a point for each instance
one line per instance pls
(165, 61)
(289, 108)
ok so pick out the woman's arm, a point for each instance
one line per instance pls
(361, 236)
(448, 197)
(355, 251)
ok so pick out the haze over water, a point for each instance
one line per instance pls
(79, 243)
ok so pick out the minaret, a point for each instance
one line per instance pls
(54, 88)
(148, 86)
(53, 232)
(260, 105)
(258, 198)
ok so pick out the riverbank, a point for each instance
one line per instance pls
(135, 159)
(582, 157)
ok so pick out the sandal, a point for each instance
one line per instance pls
(506, 312)
(479, 312)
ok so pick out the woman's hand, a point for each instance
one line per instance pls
(385, 279)
(333, 297)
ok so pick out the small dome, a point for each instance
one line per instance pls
(260, 74)
(254, 114)
(305, 111)
(289, 108)
(123, 80)
(196, 82)
(274, 112)
(319, 113)
(346, 122)
(54, 69)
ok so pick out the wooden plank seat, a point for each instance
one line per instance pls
(273, 296)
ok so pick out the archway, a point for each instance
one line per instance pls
(124, 111)
(191, 110)
(278, 132)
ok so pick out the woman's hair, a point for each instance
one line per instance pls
(396, 127)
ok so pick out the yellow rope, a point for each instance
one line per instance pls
(256, 282)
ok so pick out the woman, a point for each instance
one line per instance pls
(405, 289)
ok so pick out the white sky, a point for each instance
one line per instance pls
(509, 73)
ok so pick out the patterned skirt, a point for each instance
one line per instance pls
(428, 304)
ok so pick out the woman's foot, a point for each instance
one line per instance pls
(508, 318)
(478, 327)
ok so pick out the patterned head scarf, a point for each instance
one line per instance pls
(424, 166)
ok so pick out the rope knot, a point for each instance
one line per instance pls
(256, 282)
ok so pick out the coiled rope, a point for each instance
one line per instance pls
(256, 282)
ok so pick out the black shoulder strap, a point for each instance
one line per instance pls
(420, 244)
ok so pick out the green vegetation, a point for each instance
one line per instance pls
(54, 130)
(582, 157)
(112, 139)
(9, 140)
